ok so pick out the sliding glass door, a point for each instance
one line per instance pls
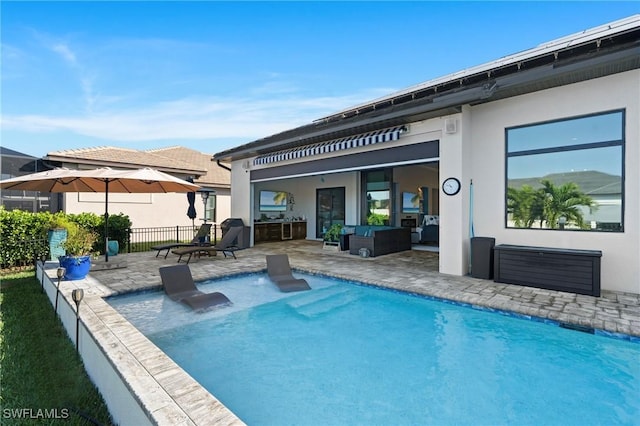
(377, 197)
(330, 209)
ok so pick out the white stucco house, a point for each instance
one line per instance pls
(566, 112)
(150, 210)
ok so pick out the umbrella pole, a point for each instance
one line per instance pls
(106, 221)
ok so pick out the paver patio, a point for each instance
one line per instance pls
(413, 271)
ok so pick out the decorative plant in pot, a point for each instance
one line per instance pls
(77, 246)
(333, 233)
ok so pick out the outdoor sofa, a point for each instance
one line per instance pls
(379, 239)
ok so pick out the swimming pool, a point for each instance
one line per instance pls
(351, 354)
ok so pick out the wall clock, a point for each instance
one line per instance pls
(451, 186)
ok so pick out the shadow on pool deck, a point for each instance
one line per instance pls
(414, 271)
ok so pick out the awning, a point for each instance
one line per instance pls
(363, 139)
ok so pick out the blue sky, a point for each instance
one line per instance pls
(213, 75)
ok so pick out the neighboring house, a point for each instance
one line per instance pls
(565, 106)
(149, 210)
(217, 180)
(15, 164)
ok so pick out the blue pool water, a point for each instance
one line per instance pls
(345, 354)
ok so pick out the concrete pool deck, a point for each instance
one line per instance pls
(165, 394)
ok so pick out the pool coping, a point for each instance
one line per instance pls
(164, 392)
(167, 394)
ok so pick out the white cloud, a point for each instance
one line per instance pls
(66, 53)
(267, 108)
(191, 118)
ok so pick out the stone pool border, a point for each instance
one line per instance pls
(139, 383)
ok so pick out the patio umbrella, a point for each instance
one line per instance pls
(100, 180)
(191, 199)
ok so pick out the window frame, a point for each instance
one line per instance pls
(210, 208)
(567, 148)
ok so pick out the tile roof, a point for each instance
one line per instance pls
(125, 157)
(215, 176)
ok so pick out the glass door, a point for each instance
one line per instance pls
(330, 209)
(378, 207)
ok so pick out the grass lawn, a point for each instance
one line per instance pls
(41, 376)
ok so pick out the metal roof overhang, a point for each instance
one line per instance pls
(548, 73)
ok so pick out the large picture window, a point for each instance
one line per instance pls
(567, 174)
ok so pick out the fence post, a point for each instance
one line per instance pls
(129, 240)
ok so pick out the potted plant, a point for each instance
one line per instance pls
(77, 246)
(333, 233)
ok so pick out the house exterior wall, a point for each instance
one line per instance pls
(145, 210)
(455, 161)
(620, 251)
(475, 151)
(223, 205)
(241, 192)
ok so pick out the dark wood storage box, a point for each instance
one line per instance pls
(574, 271)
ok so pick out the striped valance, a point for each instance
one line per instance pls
(385, 135)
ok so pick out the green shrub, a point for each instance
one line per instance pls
(23, 235)
(119, 225)
(333, 234)
(377, 219)
(87, 220)
(79, 241)
(57, 221)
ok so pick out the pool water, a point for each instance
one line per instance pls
(350, 354)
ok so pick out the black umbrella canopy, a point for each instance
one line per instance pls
(191, 198)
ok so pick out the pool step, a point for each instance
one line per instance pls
(309, 297)
(320, 301)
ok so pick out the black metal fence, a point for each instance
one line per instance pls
(27, 251)
(141, 239)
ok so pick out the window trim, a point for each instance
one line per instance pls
(566, 148)
(211, 200)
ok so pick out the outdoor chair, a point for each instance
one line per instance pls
(205, 229)
(226, 245)
(280, 273)
(179, 286)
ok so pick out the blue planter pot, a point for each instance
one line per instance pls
(76, 268)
